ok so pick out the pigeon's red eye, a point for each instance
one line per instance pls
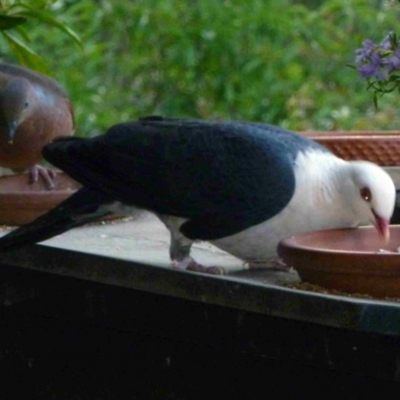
(366, 194)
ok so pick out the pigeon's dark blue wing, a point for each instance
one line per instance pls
(222, 177)
(82, 207)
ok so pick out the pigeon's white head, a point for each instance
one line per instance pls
(372, 195)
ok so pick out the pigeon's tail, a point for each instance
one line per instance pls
(83, 206)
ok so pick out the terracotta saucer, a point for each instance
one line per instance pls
(351, 260)
(380, 147)
(22, 202)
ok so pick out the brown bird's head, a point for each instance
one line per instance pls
(16, 103)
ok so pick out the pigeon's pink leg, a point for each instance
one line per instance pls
(189, 264)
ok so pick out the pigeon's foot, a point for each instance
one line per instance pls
(276, 264)
(47, 174)
(189, 264)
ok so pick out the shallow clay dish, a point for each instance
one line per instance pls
(22, 202)
(348, 260)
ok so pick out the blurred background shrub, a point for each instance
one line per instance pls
(281, 62)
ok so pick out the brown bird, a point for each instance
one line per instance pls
(34, 110)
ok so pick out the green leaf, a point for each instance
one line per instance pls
(9, 21)
(48, 19)
(25, 54)
(351, 66)
(375, 98)
(24, 34)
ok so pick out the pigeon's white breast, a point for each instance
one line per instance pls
(314, 206)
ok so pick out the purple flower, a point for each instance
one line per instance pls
(377, 63)
(364, 52)
(387, 42)
(393, 62)
(373, 69)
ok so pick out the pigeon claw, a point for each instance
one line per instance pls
(47, 174)
(188, 264)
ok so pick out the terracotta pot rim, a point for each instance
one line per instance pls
(345, 136)
(22, 202)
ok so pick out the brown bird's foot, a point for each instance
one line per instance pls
(276, 264)
(189, 264)
(47, 174)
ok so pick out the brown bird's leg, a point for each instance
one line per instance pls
(47, 174)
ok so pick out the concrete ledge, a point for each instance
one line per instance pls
(134, 255)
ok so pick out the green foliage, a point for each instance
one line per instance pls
(14, 15)
(282, 62)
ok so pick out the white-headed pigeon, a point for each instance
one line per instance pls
(241, 186)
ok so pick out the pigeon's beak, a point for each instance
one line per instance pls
(382, 226)
(12, 127)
